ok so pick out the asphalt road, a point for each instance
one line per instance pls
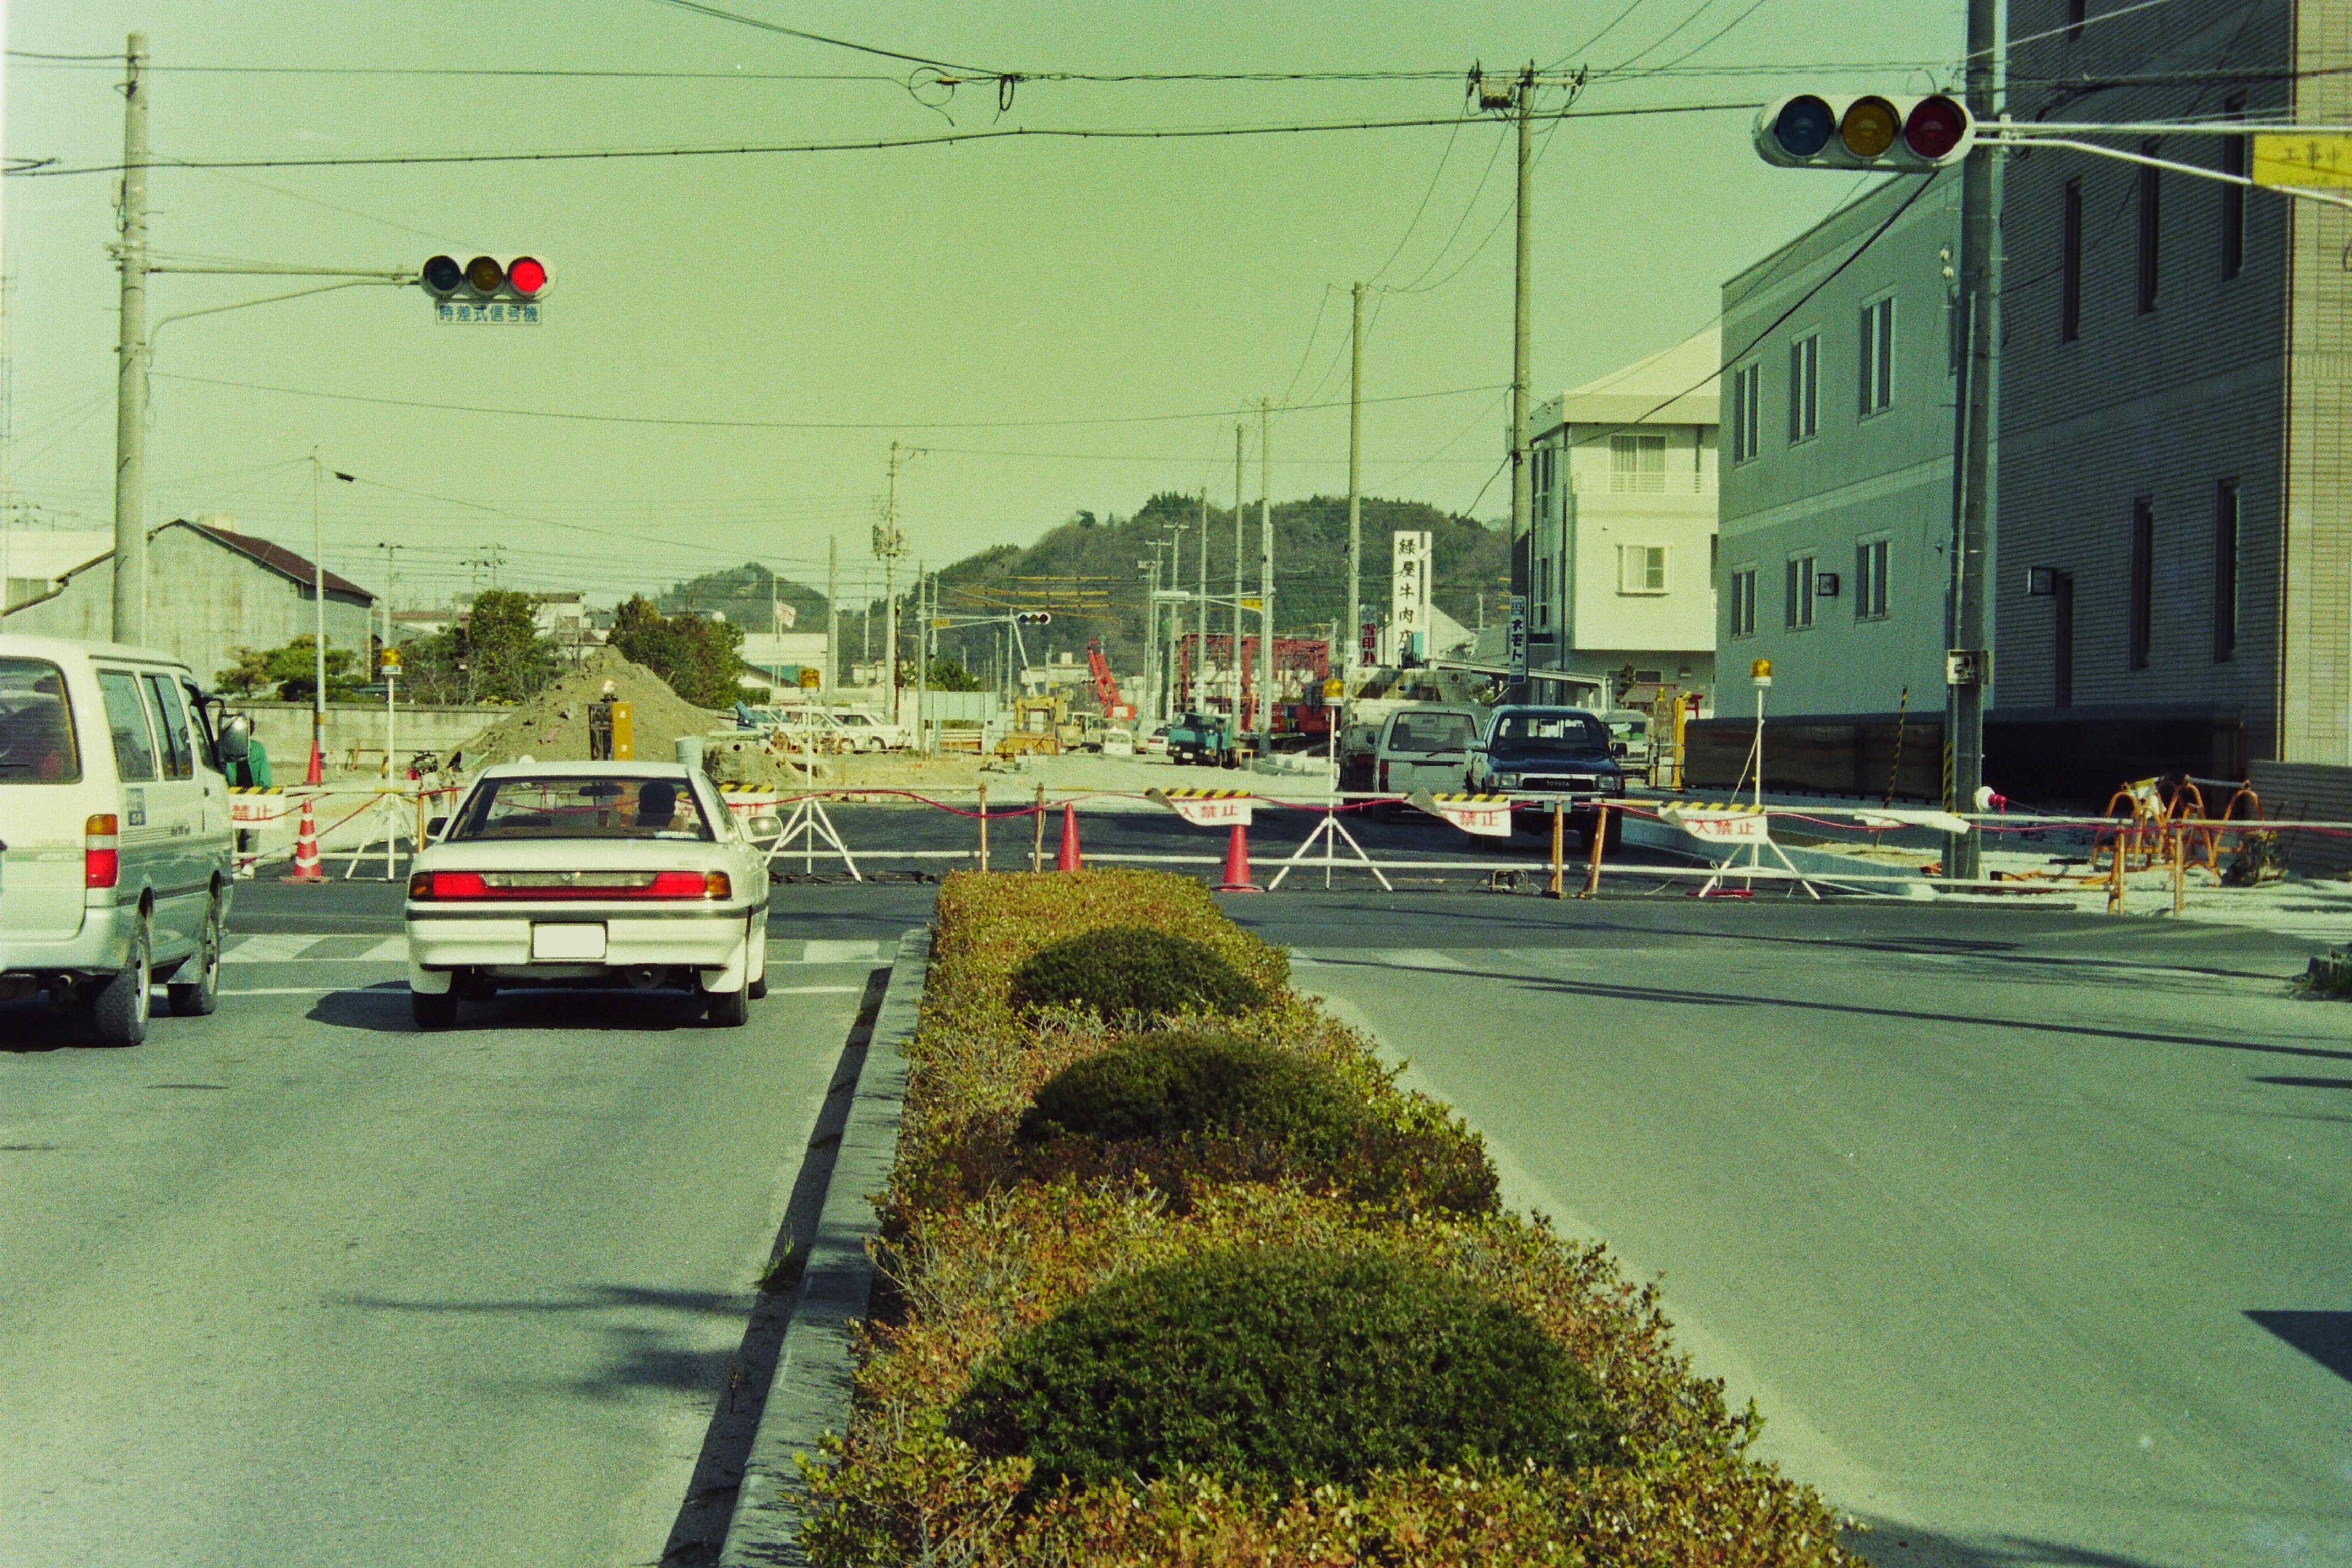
(297, 1285)
(2027, 1233)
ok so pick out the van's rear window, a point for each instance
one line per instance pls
(36, 728)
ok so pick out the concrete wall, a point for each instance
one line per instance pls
(204, 601)
(2309, 792)
(1885, 474)
(285, 729)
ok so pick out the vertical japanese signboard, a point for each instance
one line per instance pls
(1519, 639)
(1409, 597)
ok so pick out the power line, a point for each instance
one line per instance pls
(698, 8)
(43, 169)
(779, 424)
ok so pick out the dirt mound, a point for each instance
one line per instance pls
(553, 725)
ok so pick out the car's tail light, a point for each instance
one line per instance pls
(102, 850)
(550, 887)
(1384, 777)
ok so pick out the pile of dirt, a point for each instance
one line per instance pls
(553, 725)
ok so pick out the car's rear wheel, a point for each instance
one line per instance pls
(730, 1009)
(199, 995)
(433, 1009)
(120, 1011)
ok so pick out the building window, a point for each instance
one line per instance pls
(1877, 375)
(2225, 571)
(1637, 462)
(2150, 190)
(2143, 579)
(1870, 580)
(1805, 388)
(1743, 602)
(1747, 386)
(2070, 262)
(1641, 568)
(2233, 197)
(1798, 607)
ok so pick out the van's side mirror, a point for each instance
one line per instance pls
(236, 740)
(764, 826)
(435, 825)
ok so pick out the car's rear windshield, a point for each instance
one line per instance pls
(1425, 732)
(1568, 733)
(36, 728)
(582, 806)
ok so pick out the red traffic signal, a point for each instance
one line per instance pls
(484, 278)
(1874, 131)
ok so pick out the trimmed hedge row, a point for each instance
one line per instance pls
(1211, 1289)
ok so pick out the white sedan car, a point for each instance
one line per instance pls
(629, 873)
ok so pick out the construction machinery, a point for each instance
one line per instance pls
(1037, 726)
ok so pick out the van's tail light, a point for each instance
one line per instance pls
(551, 887)
(1384, 776)
(102, 850)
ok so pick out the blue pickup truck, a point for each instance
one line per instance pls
(1537, 754)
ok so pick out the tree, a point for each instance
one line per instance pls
(248, 676)
(950, 675)
(505, 654)
(294, 669)
(700, 658)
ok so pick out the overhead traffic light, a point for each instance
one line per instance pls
(524, 278)
(1873, 131)
(1033, 618)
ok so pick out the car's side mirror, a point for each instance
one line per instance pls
(435, 825)
(236, 740)
(764, 826)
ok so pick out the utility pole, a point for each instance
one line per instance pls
(391, 585)
(1234, 675)
(922, 660)
(1972, 464)
(1200, 615)
(319, 614)
(131, 361)
(889, 544)
(832, 613)
(1522, 541)
(1265, 564)
(1355, 499)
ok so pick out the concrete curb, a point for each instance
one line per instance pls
(811, 1393)
(1823, 865)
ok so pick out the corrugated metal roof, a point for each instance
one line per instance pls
(276, 557)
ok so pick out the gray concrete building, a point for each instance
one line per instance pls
(1836, 490)
(211, 589)
(2174, 581)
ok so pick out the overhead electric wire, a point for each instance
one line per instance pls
(1694, 15)
(1607, 28)
(884, 143)
(1715, 36)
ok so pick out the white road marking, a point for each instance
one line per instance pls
(841, 952)
(1415, 958)
(390, 949)
(813, 990)
(272, 949)
(287, 990)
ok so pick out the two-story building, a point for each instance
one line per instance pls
(1620, 568)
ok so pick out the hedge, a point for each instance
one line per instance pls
(984, 1250)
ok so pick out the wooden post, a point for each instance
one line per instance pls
(983, 824)
(1037, 840)
(1599, 836)
(2116, 878)
(1558, 829)
(2179, 869)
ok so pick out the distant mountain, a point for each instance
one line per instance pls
(1086, 572)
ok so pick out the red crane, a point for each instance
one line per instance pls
(1106, 684)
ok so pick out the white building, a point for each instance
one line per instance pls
(1621, 569)
(34, 561)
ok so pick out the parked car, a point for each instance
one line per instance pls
(1359, 748)
(614, 874)
(869, 730)
(119, 856)
(1629, 734)
(1539, 754)
(1202, 738)
(1118, 744)
(1425, 746)
(1153, 742)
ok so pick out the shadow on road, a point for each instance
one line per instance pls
(382, 1008)
(2324, 1337)
(1887, 1545)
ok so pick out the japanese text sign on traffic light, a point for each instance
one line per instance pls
(1876, 131)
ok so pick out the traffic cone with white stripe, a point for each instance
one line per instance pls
(1068, 859)
(1237, 866)
(305, 846)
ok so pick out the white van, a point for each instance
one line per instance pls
(117, 856)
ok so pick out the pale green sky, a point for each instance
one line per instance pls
(1007, 280)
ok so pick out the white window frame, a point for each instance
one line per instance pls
(1747, 388)
(1874, 383)
(1655, 571)
(1873, 559)
(1637, 462)
(1797, 583)
(1804, 388)
(1743, 601)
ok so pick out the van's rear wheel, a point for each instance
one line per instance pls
(118, 1012)
(732, 1009)
(433, 1009)
(198, 997)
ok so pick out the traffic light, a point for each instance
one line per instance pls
(1033, 618)
(524, 278)
(1872, 131)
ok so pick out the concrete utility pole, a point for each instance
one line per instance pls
(319, 614)
(1233, 675)
(1355, 499)
(1972, 461)
(889, 545)
(832, 613)
(131, 361)
(1265, 564)
(1201, 613)
(922, 662)
(1521, 539)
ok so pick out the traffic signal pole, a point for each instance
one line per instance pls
(1972, 456)
(131, 362)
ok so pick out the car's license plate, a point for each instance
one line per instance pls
(570, 941)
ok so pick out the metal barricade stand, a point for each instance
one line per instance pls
(808, 824)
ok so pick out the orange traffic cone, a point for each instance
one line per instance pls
(1237, 868)
(306, 847)
(1068, 861)
(317, 774)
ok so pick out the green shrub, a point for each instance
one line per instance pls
(1298, 1365)
(1119, 970)
(1164, 1085)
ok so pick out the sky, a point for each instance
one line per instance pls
(1051, 325)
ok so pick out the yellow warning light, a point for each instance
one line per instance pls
(1760, 670)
